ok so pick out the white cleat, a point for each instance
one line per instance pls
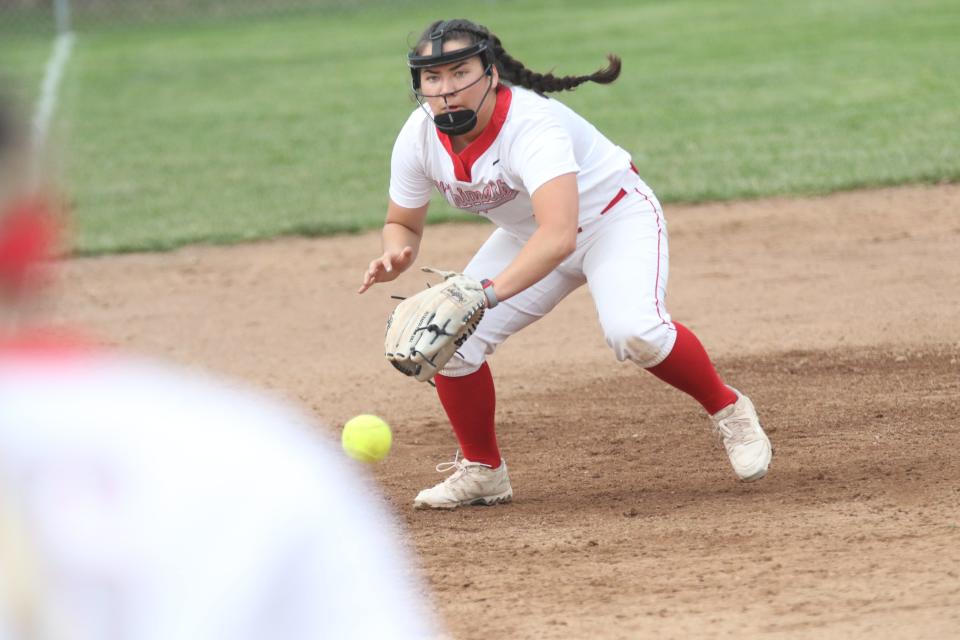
(747, 445)
(471, 483)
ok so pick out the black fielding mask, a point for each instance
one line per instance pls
(459, 122)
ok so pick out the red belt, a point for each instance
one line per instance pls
(617, 198)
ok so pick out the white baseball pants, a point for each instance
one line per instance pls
(623, 257)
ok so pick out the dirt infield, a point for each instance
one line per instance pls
(839, 316)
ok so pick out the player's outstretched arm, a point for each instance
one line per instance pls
(402, 233)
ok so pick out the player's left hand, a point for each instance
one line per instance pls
(425, 330)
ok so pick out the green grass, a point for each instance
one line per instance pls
(230, 130)
(22, 61)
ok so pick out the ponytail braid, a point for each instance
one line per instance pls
(511, 69)
(515, 72)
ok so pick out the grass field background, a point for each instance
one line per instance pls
(230, 129)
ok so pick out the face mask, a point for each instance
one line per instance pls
(461, 121)
(455, 123)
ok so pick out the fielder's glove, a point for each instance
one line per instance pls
(425, 330)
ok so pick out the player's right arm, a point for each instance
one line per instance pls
(402, 233)
(410, 190)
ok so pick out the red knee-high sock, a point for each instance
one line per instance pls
(689, 369)
(470, 402)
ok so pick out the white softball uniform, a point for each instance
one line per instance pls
(622, 250)
(160, 504)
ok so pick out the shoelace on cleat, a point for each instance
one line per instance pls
(457, 463)
(443, 467)
(735, 431)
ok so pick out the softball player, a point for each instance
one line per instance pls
(570, 209)
(148, 502)
(163, 504)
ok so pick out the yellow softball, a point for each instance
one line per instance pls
(366, 438)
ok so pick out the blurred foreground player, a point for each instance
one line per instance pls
(140, 501)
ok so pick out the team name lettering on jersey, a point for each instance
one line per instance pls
(491, 196)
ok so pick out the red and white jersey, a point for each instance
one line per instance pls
(528, 141)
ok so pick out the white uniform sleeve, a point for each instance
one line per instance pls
(542, 151)
(409, 185)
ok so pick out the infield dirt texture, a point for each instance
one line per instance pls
(839, 316)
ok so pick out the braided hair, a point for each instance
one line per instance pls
(512, 70)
